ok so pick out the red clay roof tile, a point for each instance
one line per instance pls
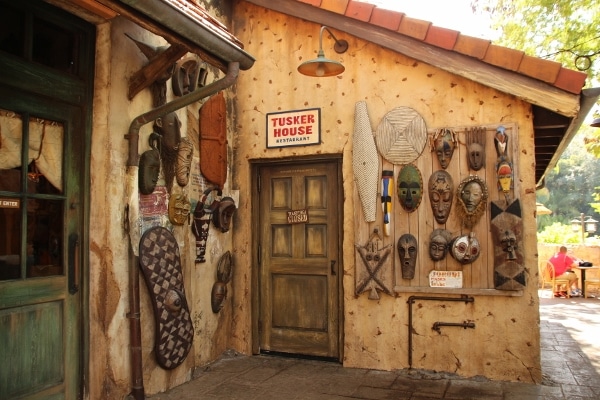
(538, 68)
(503, 57)
(472, 46)
(360, 10)
(441, 37)
(415, 28)
(570, 80)
(316, 3)
(337, 6)
(386, 18)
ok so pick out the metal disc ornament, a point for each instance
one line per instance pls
(401, 135)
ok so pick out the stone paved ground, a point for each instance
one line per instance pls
(570, 344)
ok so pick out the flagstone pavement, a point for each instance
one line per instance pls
(570, 352)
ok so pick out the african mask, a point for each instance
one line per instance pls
(465, 249)
(501, 141)
(472, 195)
(218, 295)
(443, 143)
(509, 244)
(439, 241)
(169, 128)
(179, 209)
(407, 251)
(441, 193)
(476, 148)
(184, 161)
(149, 166)
(410, 187)
(187, 75)
(505, 176)
(222, 216)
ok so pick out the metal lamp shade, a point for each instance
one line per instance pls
(321, 67)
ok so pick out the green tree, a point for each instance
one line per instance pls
(565, 31)
(570, 186)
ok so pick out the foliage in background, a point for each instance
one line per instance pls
(565, 31)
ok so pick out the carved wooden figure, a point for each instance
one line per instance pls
(169, 128)
(507, 235)
(387, 188)
(501, 141)
(375, 274)
(219, 289)
(213, 140)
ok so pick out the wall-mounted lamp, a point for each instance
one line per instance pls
(585, 223)
(322, 66)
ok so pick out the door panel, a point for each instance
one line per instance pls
(45, 114)
(299, 284)
(39, 318)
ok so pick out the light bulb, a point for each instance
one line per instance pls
(320, 71)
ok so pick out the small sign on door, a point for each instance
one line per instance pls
(297, 216)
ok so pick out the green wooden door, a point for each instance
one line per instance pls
(45, 59)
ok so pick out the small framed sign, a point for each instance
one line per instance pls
(446, 279)
(6, 202)
(294, 128)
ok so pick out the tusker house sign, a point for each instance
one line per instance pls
(294, 128)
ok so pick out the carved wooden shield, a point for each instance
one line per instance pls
(161, 267)
(213, 140)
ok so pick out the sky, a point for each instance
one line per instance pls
(451, 14)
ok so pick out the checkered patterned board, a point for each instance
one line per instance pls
(161, 267)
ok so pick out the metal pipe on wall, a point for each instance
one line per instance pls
(412, 299)
(229, 79)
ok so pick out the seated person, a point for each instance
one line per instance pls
(562, 268)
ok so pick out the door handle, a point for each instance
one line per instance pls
(74, 270)
(332, 267)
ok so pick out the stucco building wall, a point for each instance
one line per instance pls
(505, 342)
(118, 58)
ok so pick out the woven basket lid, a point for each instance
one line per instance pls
(401, 135)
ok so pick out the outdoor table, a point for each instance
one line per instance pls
(583, 270)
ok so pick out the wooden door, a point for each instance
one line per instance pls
(45, 57)
(299, 251)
